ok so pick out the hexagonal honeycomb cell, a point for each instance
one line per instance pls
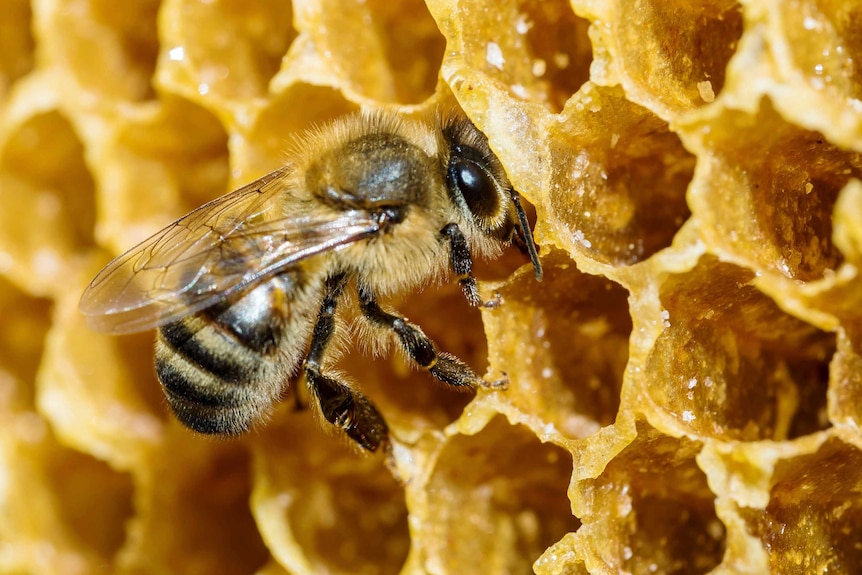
(684, 386)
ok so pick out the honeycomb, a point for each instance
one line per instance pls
(685, 384)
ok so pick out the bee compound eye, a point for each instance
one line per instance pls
(476, 187)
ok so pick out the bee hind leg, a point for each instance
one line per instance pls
(419, 347)
(340, 405)
(349, 410)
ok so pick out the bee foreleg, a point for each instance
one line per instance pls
(339, 404)
(462, 264)
(419, 347)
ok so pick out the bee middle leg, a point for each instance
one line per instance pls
(419, 347)
(339, 403)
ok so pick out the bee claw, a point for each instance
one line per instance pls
(391, 461)
(500, 384)
(493, 303)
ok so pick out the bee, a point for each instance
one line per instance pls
(244, 290)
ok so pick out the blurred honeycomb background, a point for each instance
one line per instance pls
(686, 384)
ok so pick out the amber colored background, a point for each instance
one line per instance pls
(686, 384)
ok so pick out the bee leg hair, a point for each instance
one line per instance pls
(462, 264)
(339, 404)
(419, 347)
(298, 402)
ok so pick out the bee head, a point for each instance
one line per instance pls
(478, 185)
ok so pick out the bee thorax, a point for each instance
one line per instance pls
(370, 172)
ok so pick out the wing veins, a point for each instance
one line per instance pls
(213, 252)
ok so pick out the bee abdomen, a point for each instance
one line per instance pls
(211, 349)
(215, 382)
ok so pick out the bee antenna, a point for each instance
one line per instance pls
(528, 236)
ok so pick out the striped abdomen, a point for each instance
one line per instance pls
(223, 368)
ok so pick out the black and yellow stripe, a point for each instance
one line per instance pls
(218, 368)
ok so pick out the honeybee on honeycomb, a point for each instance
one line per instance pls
(684, 384)
(244, 290)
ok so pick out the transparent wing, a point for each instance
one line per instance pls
(217, 250)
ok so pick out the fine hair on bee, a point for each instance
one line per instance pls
(244, 291)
